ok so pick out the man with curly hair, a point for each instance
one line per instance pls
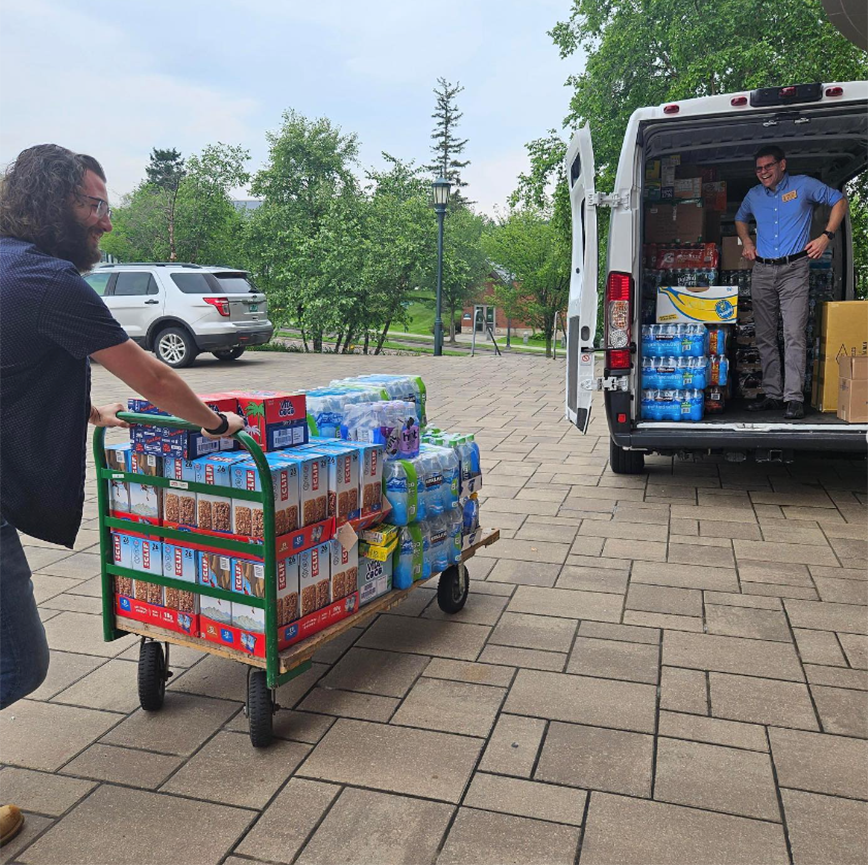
(53, 211)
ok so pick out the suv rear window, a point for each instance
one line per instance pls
(208, 283)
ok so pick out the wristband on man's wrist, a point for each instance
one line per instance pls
(829, 234)
(222, 428)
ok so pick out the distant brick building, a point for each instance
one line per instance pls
(491, 313)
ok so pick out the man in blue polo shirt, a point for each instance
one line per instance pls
(783, 208)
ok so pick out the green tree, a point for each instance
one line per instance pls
(447, 146)
(294, 239)
(165, 173)
(529, 245)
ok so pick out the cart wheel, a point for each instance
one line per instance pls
(260, 708)
(453, 588)
(152, 676)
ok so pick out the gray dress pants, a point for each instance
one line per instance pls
(781, 290)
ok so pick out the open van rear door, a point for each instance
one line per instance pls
(582, 309)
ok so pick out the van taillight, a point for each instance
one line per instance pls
(221, 304)
(671, 109)
(619, 302)
(834, 91)
(738, 101)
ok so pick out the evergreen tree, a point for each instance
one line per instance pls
(165, 173)
(447, 146)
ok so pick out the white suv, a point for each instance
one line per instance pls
(178, 310)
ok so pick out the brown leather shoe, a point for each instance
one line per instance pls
(11, 821)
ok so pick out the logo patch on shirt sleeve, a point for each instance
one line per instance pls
(790, 196)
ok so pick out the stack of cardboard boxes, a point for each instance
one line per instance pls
(842, 336)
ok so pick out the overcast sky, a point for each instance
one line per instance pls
(115, 79)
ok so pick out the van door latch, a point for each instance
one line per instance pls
(606, 199)
(611, 383)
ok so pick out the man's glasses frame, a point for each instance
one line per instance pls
(101, 208)
(762, 169)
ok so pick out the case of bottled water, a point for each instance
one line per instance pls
(407, 388)
(675, 372)
(672, 405)
(392, 424)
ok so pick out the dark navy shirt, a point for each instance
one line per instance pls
(51, 320)
(783, 215)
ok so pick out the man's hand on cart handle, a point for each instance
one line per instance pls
(235, 423)
(107, 415)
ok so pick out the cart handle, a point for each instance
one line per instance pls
(137, 418)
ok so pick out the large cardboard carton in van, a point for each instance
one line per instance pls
(843, 332)
(678, 222)
(853, 388)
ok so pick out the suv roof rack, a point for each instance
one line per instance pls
(151, 264)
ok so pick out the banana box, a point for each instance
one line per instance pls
(714, 304)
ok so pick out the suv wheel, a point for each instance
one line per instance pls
(623, 462)
(229, 353)
(175, 347)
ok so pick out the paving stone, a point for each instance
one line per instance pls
(715, 529)
(608, 659)
(714, 731)
(775, 572)
(623, 633)
(859, 573)
(513, 746)
(744, 622)
(819, 647)
(479, 610)
(856, 649)
(762, 551)
(646, 551)
(465, 671)
(414, 605)
(526, 799)
(80, 566)
(511, 506)
(546, 533)
(529, 658)
(566, 603)
(592, 757)
(762, 701)
(534, 632)
(132, 768)
(47, 587)
(453, 707)
(395, 759)
(837, 677)
(687, 528)
(692, 542)
(820, 762)
(499, 838)
(64, 669)
(587, 546)
(824, 616)
(716, 778)
(841, 710)
(387, 829)
(776, 591)
(82, 633)
(628, 831)
(113, 687)
(850, 548)
(699, 554)
(179, 728)
(808, 498)
(592, 580)
(335, 648)
(732, 655)
(40, 557)
(787, 531)
(580, 699)
(424, 637)
(288, 821)
(732, 599)
(137, 827)
(716, 513)
(683, 690)
(524, 573)
(349, 704)
(40, 792)
(29, 733)
(662, 620)
(631, 531)
(389, 674)
(73, 603)
(825, 829)
(663, 599)
(685, 576)
(842, 591)
(600, 563)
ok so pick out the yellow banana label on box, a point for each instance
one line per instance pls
(699, 308)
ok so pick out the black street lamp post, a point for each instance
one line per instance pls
(440, 189)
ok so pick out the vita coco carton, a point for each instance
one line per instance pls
(214, 512)
(344, 569)
(274, 419)
(314, 578)
(287, 590)
(375, 572)
(344, 474)
(249, 516)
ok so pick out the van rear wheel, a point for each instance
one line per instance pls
(624, 462)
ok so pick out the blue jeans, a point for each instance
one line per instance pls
(23, 647)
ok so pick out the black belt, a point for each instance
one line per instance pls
(786, 259)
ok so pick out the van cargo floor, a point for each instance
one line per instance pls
(736, 412)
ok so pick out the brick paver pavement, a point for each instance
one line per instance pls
(669, 668)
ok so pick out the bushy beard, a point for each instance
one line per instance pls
(76, 245)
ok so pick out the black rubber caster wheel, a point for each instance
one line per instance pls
(260, 709)
(453, 588)
(153, 673)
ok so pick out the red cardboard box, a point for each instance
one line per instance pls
(162, 617)
(680, 259)
(274, 419)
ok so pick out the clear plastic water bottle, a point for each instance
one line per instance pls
(451, 477)
(405, 491)
(409, 559)
(455, 522)
(431, 473)
(438, 530)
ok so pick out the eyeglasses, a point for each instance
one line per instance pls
(762, 169)
(101, 208)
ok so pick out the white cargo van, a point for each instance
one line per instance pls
(823, 128)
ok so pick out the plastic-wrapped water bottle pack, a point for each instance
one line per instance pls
(393, 424)
(406, 388)
(427, 548)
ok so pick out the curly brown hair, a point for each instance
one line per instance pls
(35, 197)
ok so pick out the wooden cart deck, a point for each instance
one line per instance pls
(298, 654)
